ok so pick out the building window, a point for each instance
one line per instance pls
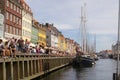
(17, 9)
(16, 31)
(10, 29)
(10, 17)
(6, 28)
(7, 15)
(23, 32)
(7, 3)
(20, 11)
(14, 7)
(19, 32)
(22, 23)
(19, 21)
(13, 18)
(13, 30)
(10, 5)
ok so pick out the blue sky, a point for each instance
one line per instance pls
(102, 18)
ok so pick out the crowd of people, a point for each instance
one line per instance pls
(13, 46)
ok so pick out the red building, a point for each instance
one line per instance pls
(12, 11)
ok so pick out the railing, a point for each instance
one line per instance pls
(28, 66)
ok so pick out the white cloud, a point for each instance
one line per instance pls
(64, 26)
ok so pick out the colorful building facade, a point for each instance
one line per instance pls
(42, 35)
(60, 41)
(64, 44)
(52, 34)
(12, 11)
(68, 43)
(54, 37)
(48, 34)
(34, 37)
(27, 17)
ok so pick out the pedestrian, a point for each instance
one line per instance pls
(2, 51)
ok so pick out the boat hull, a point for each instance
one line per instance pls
(82, 62)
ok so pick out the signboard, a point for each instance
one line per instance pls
(1, 25)
(8, 35)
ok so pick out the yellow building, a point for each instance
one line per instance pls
(42, 35)
(60, 42)
(62, 45)
(65, 45)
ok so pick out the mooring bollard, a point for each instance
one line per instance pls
(114, 76)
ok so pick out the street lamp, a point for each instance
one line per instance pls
(118, 51)
(118, 42)
(116, 75)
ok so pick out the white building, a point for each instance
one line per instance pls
(27, 17)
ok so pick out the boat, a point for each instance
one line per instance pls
(83, 61)
(87, 62)
(83, 58)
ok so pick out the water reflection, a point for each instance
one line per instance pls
(102, 70)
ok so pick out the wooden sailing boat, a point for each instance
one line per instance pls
(83, 60)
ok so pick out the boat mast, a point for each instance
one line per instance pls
(82, 39)
(84, 30)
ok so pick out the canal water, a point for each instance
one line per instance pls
(102, 70)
